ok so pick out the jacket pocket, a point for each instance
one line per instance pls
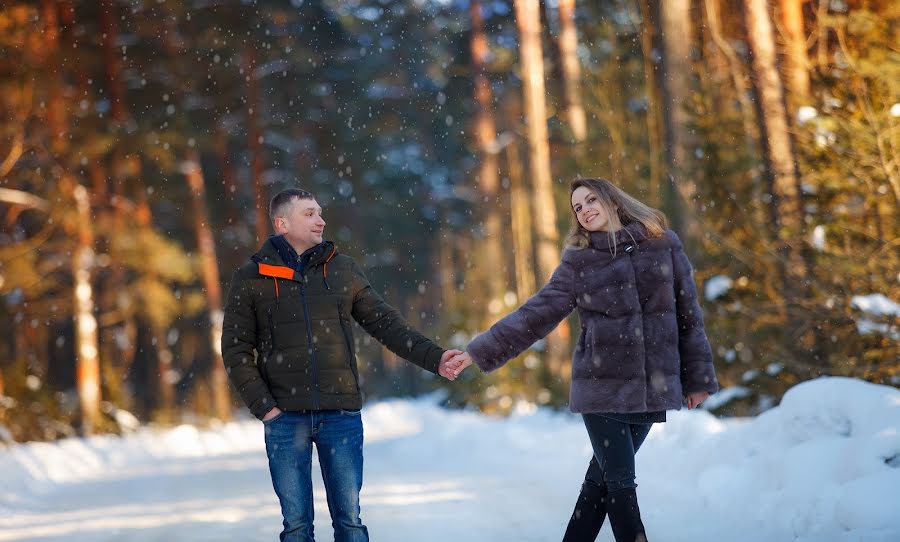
(271, 329)
(270, 354)
(348, 340)
(261, 364)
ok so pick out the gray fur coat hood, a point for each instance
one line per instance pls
(642, 344)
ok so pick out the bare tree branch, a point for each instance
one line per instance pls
(26, 199)
(15, 153)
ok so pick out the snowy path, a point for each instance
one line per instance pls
(823, 466)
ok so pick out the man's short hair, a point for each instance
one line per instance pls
(282, 200)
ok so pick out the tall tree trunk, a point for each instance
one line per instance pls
(735, 67)
(111, 62)
(466, 297)
(608, 95)
(712, 70)
(87, 363)
(543, 199)
(254, 146)
(677, 38)
(822, 32)
(162, 396)
(56, 107)
(447, 269)
(21, 348)
(115, 297)
(493, 268)
(532, 67)
(134, 331)
(521, 224)
(229, 183)
(210, 274)
(166, 376)
(797, 61)
(87, 373)
(741, 91)
(651, 84)
(568, 47)
(780, 166)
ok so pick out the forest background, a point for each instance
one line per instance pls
(140, 142)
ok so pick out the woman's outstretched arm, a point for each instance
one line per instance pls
(532, 321)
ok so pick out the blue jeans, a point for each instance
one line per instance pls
(338, 436)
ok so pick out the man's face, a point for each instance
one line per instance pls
(302, 224)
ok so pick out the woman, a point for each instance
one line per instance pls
(642, 345)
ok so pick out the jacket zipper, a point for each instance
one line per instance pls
(312, 348)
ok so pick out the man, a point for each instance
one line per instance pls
(292, 304)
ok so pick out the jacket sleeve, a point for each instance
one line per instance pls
(697, 370)
(532, 321)
(238, 344)
(385, 323)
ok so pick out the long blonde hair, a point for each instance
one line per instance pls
(621, 208)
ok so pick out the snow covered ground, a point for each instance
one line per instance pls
(822, 466)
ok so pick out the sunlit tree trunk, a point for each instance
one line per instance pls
(797, 61)
(532, 68)
(210, 275)
(780, 166)
(87, 363)
(648, 29)
(677, 38)
(521, 224)
(87, 371)
(166, 375)
(822, 31)
(571, 69)
(492, 253)
(543, 199)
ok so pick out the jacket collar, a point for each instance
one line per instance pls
(270, 263)
(289, 256)
(632, 233)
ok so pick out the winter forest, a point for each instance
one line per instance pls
(141, 142)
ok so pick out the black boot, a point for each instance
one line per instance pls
(625, 516)
(590, 511)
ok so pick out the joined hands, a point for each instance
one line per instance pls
(453, 362)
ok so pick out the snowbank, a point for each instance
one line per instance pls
(823, 466)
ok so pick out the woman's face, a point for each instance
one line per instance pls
(590, 214)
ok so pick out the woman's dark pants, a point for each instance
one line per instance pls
(609, 486)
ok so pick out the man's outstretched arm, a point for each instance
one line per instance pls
(388, 326)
